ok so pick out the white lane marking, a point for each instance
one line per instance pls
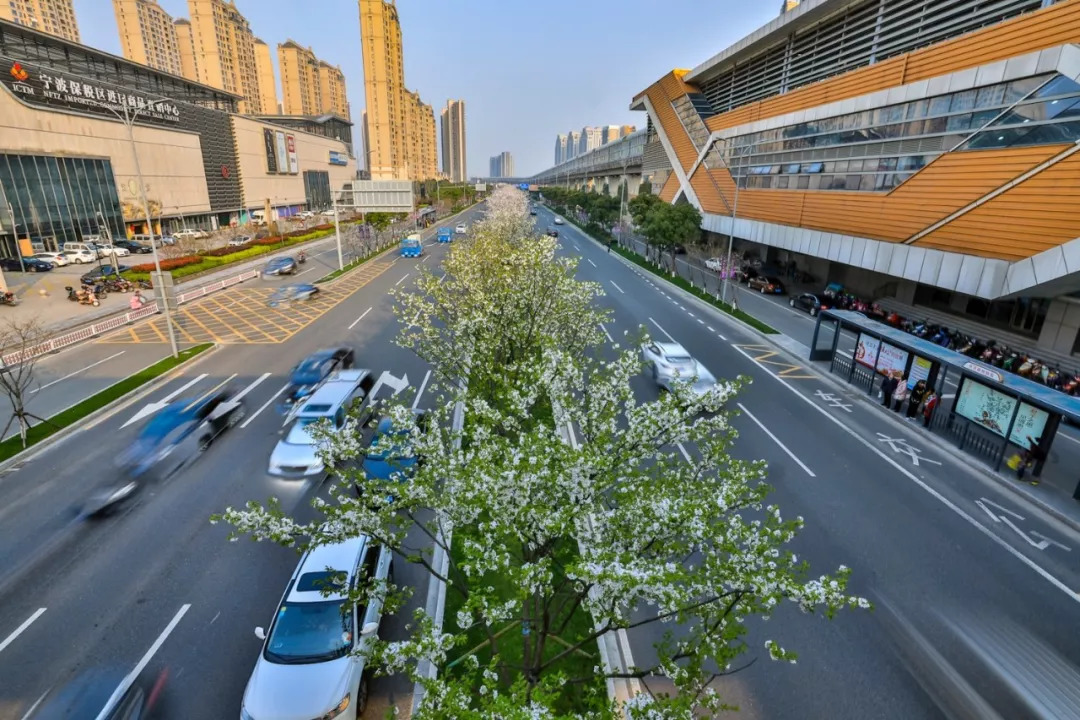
(442, 277)
(251, 387)
(216, 617)
(21, 629)
(126, 682)
(617, 287)
(30, 711)
(264, 406)
(590, 262)
(416, 400)
(700, 320)
(776, 440)
(576, 247)
(689, 313)
(684, 453)
(80, 370)
(402, 279)
(609, 338)
(303, 271)
(662, 330)
(1062, 434)
(354, 322)
(1038, 569)
(151, 408)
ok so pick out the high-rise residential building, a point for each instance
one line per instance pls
(627, 130)
(147, 34)
(55, 17)
(185, 46)
(501, 165)
(264, 69)
(560, 148)
(300, 91)
(384, 89)
(789, 5)
(573, 141)
(610, 133)
(420, 138)
(453, 141)
(429, 144)
(591, 138)
(332, 91)
(225, 52)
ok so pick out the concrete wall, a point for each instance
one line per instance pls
(312, 151)
(1061, 326)
(171, 160)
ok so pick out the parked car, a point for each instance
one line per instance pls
(31, 263)
(328, 213)
(289, 293)
(190, 233)
(101, 272)
(134, 247)
(280, 266)
(305, 214)
(313, 662)
(809, 302)
(766, 284)
(239, 240)
(671, 363)
(57, 259)
(107, 250)
(714, 264)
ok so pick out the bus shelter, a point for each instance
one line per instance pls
(992, 411)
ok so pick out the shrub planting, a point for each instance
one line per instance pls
(168, 264)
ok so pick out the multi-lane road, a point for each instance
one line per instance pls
(158, 582)
(930, 541)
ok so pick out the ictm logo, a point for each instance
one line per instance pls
(19, 72)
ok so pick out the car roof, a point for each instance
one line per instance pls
(342, 557)
(335, 389)
(670, 348)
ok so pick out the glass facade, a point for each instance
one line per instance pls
(317, 189)
(56, 200)
(876, 150)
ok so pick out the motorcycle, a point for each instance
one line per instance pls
(301, 257)
(8, 298)
(83, 296)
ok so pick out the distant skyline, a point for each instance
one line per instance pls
(526, 72)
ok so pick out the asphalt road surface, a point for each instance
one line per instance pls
(158, 584)
(930, 541)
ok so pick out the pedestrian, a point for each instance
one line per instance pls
(1035, 454)
(915, 399)
(929, 404)
(900, 395)
(610, 243)
(137, 301)
(888, 387)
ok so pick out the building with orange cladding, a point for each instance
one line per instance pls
(920, 150)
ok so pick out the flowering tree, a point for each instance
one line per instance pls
(556, 542)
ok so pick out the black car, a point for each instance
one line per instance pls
(679, 250)
(532, 211)
(134, 247)
(32, 264)
(312, 370)
(101, 272)
(553, 232)
(93, 694)
(809, 302)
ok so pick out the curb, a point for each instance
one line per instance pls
(101, 413)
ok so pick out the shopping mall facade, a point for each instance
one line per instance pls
(67, 167)
(925, 150)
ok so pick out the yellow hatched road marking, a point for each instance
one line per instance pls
(191, 315)
(242, 319)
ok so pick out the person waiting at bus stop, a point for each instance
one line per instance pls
(1035, 453)
(917, 394)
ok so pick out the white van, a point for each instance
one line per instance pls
(295, 454)
(81, 252)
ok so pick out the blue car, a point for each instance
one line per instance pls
(389, 453)
(280, 266)
(315, 368)
(289, 293)
(412, 246)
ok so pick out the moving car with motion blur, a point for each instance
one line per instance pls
(809, 302)
(313, 662)
(312, 370)
(280, 266)
(105, 693)
(670, 363)
(552, 232)
(558, 220)
(293, 293)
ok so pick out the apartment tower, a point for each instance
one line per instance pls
(452, 118)
(264, 70)
(384, 89)
(332, 90)
(147, 34)
(560, 149)
(185, 46)
(420, 138)
(55, 17)
(225, 52)
(300, 93)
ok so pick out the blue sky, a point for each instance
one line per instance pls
(526, 70)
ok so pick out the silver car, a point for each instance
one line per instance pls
(313, 663)
(671, 363)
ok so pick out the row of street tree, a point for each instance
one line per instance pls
(556, 537)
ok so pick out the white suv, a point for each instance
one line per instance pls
(313, 662)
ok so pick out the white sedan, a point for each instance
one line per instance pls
(461, 229)
(58, 259)
(80, 256)
(313, 661)
(671, 363)
(558, 220)
(106, 250)
(715, 264)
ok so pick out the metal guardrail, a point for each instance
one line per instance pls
(116, 321)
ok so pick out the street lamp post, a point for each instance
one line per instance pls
(337, 232)
(129, 122)
(731, 230)
(15, 232)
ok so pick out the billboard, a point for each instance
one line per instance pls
(294, 163)
(271, 153)
(282, 152)
(920, 370)
(866, 352)
(891, 359)
(1030, 422)
(481, 187)
(338, 158)
(983, 405)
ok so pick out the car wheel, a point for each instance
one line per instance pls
(762, 290)
(237, 415)
(204, 442)
(791, 302)
(362, 695)
(33, 269)
(813, 312)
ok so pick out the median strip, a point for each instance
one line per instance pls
(81, 410)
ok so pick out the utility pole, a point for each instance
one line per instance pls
(731, 232)
(337, 232)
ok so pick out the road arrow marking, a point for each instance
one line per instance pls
(387, 378)
(1002, 509)
(1047, 542)
(153, 407)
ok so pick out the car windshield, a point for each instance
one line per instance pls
(300, 432)
(307, 632)
(678, 358)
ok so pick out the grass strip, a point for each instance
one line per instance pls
(13, 445)
(350, 265)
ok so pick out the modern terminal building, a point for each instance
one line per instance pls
(920, 150)
(67, 166)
